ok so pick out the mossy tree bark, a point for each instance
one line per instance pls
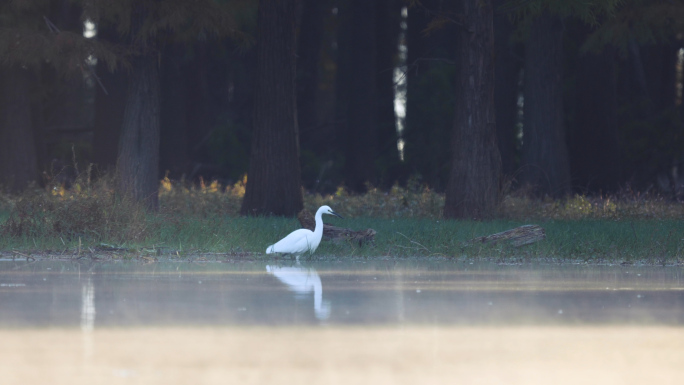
(274, 178)
(473, 189)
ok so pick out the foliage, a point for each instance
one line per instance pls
(88, 211)
(203, 218)
(167, 21)
(589, 11)
(204, 200)
(640, 21)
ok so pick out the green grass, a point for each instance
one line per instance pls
(203, 220)
(589, 240)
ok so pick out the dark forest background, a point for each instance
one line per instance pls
(576, 96)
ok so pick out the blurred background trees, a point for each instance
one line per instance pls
(587, 95)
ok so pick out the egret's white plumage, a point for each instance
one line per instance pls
(303, 240)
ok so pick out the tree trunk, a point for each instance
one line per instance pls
(138, 161)
(545, 165)
(473, 189)
(274, 179)
(361, 128)
(18, 164)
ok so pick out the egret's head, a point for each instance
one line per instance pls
(328, 210)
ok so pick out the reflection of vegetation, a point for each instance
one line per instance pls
(204, 218)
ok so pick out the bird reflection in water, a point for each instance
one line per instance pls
(302, 281)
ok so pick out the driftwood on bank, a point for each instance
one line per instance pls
(519, 236)
(337, 234)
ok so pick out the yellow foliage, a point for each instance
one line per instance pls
(58, 191)
(165, 185)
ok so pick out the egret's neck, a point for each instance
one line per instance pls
(319, 223)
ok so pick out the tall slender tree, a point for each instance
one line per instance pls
(473, 189)
(274, 178)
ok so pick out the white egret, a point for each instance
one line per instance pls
(302, 240)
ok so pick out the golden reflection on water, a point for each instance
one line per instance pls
(347, 355)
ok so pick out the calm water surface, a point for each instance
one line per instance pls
(330, 322)
(58, 293)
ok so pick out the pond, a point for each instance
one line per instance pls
(339, 321)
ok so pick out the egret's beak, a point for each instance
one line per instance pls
(335, 214)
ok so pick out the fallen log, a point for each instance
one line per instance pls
(519, 236)
(337, 234)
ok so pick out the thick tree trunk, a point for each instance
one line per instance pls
(274, 179)
(473, 190)
(545, 165)
(361, 128)
(138, 161)
(18, 164)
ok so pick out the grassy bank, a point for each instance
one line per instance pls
(91, 219)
